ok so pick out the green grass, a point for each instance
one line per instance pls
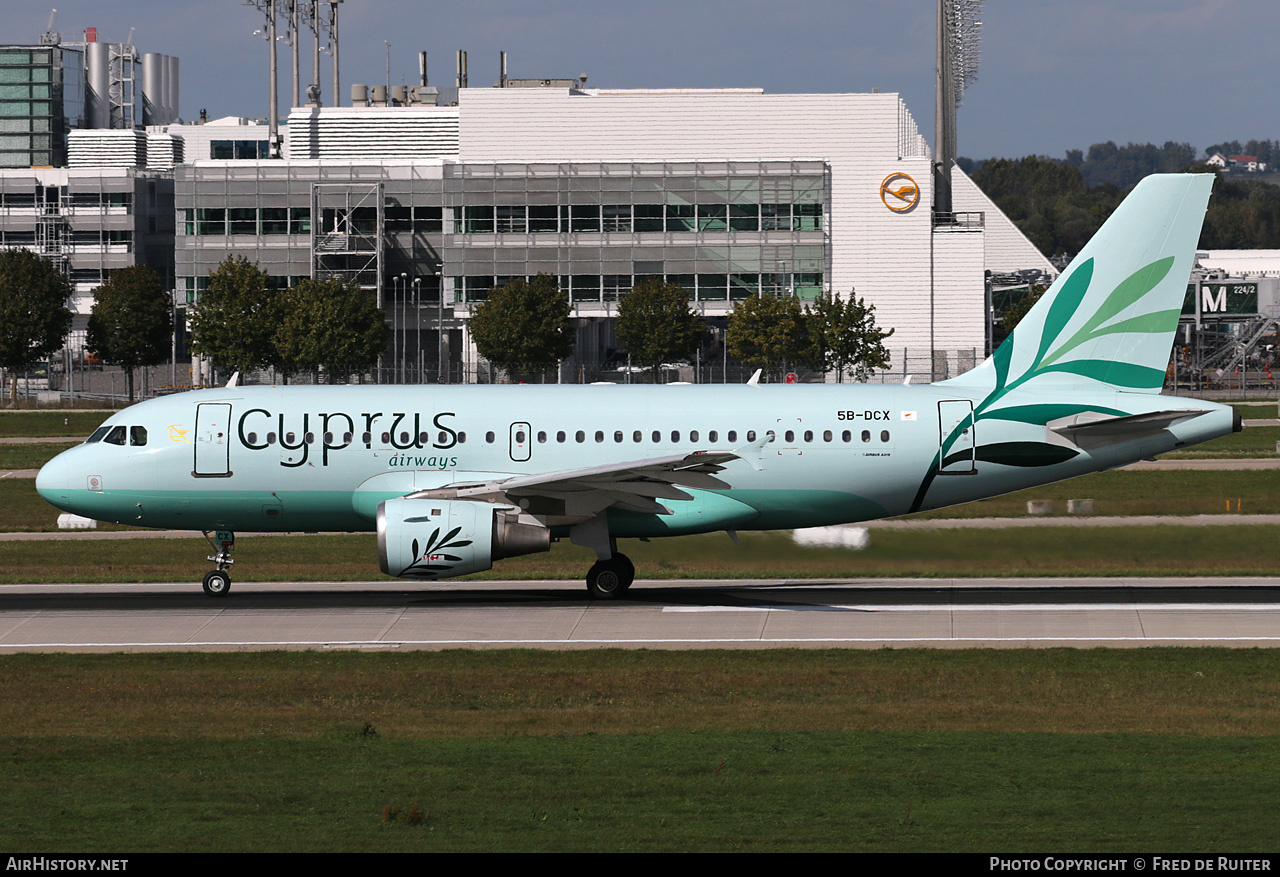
(29, 456)
(1142, 492)
(1153, 750)
(999, 552)
(1254, 411)
(37, 424)
(1254, 441)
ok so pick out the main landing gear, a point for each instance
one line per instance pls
(612, 573)
(609, 578)
(217, 582)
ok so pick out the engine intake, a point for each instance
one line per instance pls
(439, 539)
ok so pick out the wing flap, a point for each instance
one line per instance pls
(634, 485)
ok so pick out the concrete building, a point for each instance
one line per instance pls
(727, 192)
(41, 100)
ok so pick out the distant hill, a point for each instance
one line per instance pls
(1059, 204)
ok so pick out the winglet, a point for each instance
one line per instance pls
(754, 380)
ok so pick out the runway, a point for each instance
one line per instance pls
(853, 613)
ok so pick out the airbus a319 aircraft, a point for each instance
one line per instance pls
(454, 478)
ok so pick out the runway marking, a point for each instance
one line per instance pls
(988, 607)
(330, 644)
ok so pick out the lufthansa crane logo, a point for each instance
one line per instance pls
(899, 192)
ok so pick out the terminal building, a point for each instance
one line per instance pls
(726, 192)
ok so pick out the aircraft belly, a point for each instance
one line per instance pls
(246, 511)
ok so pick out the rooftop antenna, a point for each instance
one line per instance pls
(268, 7)
(50, 36)
(959, 51)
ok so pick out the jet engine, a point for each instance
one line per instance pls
(438, 539)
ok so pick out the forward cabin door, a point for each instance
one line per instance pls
(213, 440)
(959, 458)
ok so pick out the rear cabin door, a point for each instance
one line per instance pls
(958, 459)
(213, 440)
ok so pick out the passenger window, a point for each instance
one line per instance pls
(519, 436)
(751, 435)
(404, 438)
(347, 436)
(846, 436)
(310, 438)
(713, 436)
(488, 437)
(866, 435)
(657, 437)
(423, 438)
(386, 438)
(693, 435)
(599, 435)
(271, 438)
(580, 436)
(328, 438)
(637, 436)
(789, 436)
(367, 438)
(732, 435)
(827, 436)
(560, 436)
(675, 436)
(808, 435)
(462, 438)
(116, 436)
(251, 438)
(542, 437)
(884, 435)
(617, 436)
(137, 435)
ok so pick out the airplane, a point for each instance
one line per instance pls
(455, 478)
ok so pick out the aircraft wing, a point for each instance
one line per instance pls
(634, 485)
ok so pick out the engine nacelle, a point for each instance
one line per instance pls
(438, 539)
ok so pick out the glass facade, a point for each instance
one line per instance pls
(36, 111)
(723, 231)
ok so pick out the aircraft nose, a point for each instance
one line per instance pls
(54, 481)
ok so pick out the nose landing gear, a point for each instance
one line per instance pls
(217, 582)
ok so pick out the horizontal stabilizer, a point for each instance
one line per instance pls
(1092, 429)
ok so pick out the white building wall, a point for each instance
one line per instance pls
(1007, 248)
(881, 254)
(355, 133)
(959, 293)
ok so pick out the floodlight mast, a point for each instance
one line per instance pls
(959, 52)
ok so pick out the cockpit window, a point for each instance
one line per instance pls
(97, 435)
(115, 436)
(137, 435)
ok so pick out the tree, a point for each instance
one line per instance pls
(1018, 309)
(524, 326)
(131, 324)
(332, 325)
(847, 335)
(34, 317)
(656, 324)
(231, 323)
(769, 332)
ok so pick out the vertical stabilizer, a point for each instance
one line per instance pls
(1109, 319)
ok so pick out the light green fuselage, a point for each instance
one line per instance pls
(239, 458)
